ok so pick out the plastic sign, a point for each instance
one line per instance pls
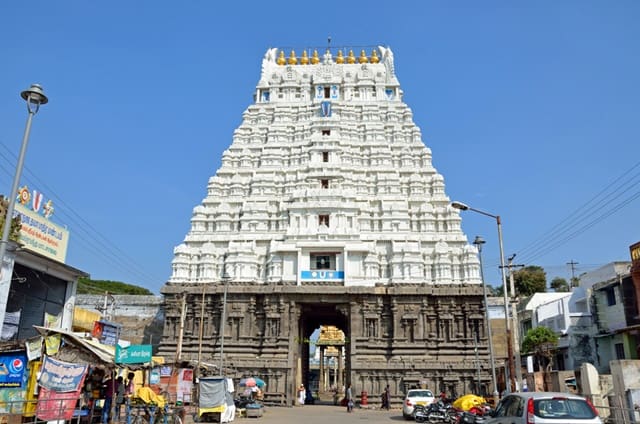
(134, 354)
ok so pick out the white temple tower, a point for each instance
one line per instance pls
(327, 180)
(327, 210)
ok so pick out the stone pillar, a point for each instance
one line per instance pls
(322, 382)
(327, 376)
(340, 381)
(344, 267)
(335, 371)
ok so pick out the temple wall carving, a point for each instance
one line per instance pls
(402, 336)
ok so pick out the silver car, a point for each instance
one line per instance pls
(544, 408)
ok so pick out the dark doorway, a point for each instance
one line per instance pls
(325, 363)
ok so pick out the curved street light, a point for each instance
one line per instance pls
(478, 242)
(35, 97)
(464, 207)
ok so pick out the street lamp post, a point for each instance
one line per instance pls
(463, 207)
(478, 242)
(34, 96)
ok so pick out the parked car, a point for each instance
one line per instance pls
(415, 397)
(544, 408)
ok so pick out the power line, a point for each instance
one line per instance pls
(598, 206)
(557, 243)
(85, 233)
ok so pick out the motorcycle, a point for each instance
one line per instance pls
(420, 414)
(437, 412)
(473, 416)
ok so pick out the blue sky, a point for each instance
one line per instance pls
(530, 109)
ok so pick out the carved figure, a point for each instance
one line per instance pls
(48, 209)
(387, 59)
(269, 58)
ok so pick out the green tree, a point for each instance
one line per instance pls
(541, 342)
(529, 280)
(559, 284)
(89, 286)
(575, 281)
(491, 291)
(16, 224)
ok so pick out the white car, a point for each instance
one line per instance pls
(544, 408)
(415, 397)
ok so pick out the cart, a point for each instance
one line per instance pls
(215, 400)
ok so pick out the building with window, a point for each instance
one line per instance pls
(37, 287)
(617, 324)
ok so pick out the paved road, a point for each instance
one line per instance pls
(324, 414)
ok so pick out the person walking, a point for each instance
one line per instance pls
(108, 399)
(302, 394)
(385, 398)
(349, 397)
(129, 392)
(119, 396)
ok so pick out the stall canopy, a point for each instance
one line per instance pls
(86, 350)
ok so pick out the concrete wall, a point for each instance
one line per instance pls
(626, 382)
(141, 317)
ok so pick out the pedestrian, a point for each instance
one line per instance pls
(385, 398)
(129, 392)
(108, 399)
(302, 394)
(119, 396)
(130, 387)
(349, 397)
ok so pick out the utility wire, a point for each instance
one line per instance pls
(572, 217)
(571, 232)
(88, 235)
(598, 206)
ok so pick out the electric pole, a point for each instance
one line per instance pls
(573, 264)
(183, 310)
(515, 328)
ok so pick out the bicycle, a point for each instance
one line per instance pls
(167, 415)
(136, 418)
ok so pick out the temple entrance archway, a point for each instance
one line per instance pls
(324, 352)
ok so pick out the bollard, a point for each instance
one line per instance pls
(364, 400)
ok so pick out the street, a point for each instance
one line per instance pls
(324, 414)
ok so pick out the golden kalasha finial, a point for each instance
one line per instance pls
(314, 58)
(281, 60)
(304, 60)
(293, 60)
(374, 56)
(363, 57)
(340, 57)
(351, 58)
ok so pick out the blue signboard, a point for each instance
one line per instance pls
(324, 274)
(106, 332)
(12, 367)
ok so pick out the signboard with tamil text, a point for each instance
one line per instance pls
(61, 377)
(41, 235)
(134, 354)
(106, 332)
